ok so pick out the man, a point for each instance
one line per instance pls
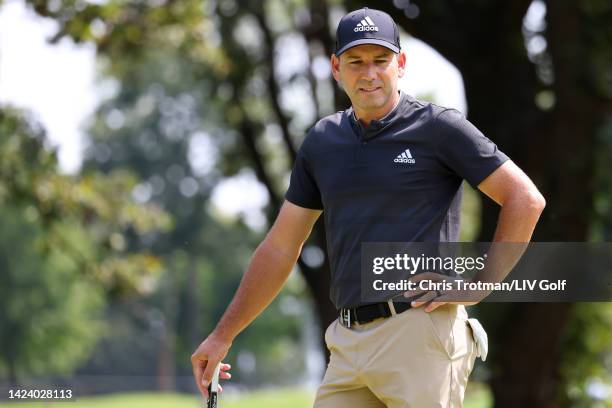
(387, 169)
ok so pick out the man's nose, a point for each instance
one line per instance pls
(369, 72)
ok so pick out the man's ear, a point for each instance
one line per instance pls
(335, 67)
(401, 63)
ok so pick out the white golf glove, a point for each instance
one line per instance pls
(480, 335)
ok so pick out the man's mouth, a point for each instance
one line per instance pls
(369, 90)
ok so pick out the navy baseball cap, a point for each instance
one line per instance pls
(367, 26)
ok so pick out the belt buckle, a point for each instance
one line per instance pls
(345, 316)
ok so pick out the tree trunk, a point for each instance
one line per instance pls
(526, 366)
(318, 280)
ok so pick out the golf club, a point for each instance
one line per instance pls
(213, 388)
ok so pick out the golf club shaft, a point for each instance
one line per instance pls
(213, 388)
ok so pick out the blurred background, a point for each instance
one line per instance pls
(146, 145)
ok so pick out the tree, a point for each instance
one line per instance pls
(163, 124)
(48, 321)
(61, 252)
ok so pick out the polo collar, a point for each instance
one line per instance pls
(376, 125)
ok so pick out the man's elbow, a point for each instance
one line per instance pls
(534, 201)
(285, 248)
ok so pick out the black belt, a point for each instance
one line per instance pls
(367, 313)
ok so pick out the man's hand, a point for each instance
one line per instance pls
(436, 298)
(204, 360)
(268, 270)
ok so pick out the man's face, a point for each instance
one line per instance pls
(369, 74)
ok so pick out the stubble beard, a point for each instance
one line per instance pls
(368, 102)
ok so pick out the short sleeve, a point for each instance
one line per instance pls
(303, 190)
(464, 149)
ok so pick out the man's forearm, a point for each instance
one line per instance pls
(265, 276)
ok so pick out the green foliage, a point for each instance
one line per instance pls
(91, 207)
(124, 30)
(22, 158)
(166, 124)
(587, 357)
(49, 308)
(62, 252)
(602, 200)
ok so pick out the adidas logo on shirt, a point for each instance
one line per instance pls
(366, 25)
(405, 157)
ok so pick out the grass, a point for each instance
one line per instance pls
(476, 397)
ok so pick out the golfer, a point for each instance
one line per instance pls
(387, 169)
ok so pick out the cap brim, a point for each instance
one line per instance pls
(374, 41)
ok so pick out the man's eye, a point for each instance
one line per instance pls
(381, 61)
(355, 62)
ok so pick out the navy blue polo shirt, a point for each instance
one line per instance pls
(398, 180)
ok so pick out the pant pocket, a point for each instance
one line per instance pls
(441, 326)
(452, 332)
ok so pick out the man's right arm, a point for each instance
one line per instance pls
(268, 270)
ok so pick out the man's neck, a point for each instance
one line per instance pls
(366, 117)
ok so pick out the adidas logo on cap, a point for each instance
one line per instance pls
(366, 25)
(404, 157)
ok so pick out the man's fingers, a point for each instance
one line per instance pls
(424, 299)
(198, 371)
(413, 293)
(208, 372)
(206, 359)
(425, 276)
(433, 306)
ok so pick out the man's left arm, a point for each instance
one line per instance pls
(521, 205)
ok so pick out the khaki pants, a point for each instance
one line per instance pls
(414, 359)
